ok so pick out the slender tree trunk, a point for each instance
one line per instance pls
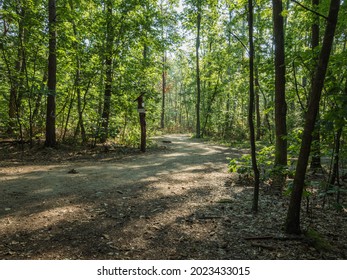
(141, 108)
(108, 77)
(316, 154)
(257, 104)
(52, 72)
(280, 100)
(142, 115)
(293, 216)
(162, 123)
(198, 84)
(335, 172)
(251, 108)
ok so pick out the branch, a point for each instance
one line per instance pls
(308, 9)
(238, 39)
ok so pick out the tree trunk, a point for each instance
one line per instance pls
(293, 215)
(141, 107)
(52, 72)
(198, 85)
(316, 158)
(108, 75)
(257, 105)
(251, 108)
(335, 172)
(142, 115)
(280, 100)
(162, 123)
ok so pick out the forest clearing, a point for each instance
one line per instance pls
(177, 201)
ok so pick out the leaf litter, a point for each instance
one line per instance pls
(175, 202)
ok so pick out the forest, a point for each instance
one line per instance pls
(180, 117)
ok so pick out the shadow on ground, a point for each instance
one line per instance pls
(178, 202)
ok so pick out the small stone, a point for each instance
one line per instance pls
(106, 236)
(72, 171)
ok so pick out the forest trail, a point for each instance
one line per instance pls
(175, 202)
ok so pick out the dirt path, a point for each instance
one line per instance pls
(177, 202)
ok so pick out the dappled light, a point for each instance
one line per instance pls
(173, 129)
(174, 203)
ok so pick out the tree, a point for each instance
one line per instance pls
(52, 73)
(293, 215)
(251, 107)
(280, 99)
(316, 159)
(108, 64)
(164, 73)
(197, 54)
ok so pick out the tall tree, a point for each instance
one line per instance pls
(280, 99)
(293, 215)
(162, 120)
(198, 82)
(251, 107)
(52, 73)
(108, 65)
(316, 158)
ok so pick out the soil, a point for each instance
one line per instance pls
(176, 201)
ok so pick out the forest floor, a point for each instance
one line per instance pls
(176, 201)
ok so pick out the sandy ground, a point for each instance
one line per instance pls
(175, 202)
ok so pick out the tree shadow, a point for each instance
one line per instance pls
(156, 206)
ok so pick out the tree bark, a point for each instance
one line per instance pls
(52, 72)
(293, 215)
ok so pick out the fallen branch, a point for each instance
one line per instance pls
(209, 217)
(281, 238)
(268, 247)
(259, 237)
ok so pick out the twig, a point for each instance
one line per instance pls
(308, 9)
(259, 237)
(209, 217)
(263, 246)
(238, 39)
(281, 238)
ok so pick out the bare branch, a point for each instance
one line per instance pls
(238, 39)
(308, 9)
